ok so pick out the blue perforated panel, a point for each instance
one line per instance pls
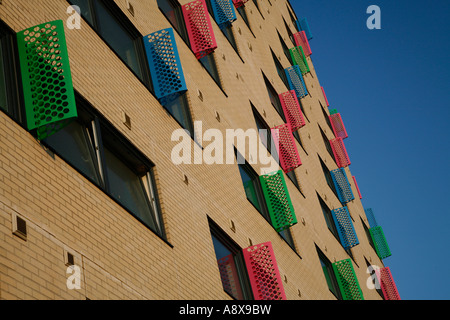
(305, 27)
(224, 12)
(344, 226)
(165, 66)
(371, 217)
(295, 80)
(342, 185)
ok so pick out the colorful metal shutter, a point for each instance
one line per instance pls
(279, 205)
(379, 240)
(291, 109)
(304, 26)
(229, 276)
(263, 272)
(302, 41)
(165, 66)
(344, 226)
(199, 28)
(340, 153)
(387, 284)
(347, 281)
(338, 126)
(46, 78)
(342, 185)
(239, 3)
(333, 111)
(325, 96)
(298, 58)
(295, 81)
(371, 217)
(286, 147)
(357, 188)
(224, 12)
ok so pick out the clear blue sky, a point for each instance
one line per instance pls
(392, 88)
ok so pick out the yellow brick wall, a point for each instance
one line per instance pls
(119, 257)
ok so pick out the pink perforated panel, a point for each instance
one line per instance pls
(357, 188)
(291, 109)
(239, 3)
(263, 272)
(387, 284)
(302, 41)
(340, 153)
(338, 126)
(325, 96)
(199, 28)
(286, 147)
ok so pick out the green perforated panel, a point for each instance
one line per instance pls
(47, 81)
(347, 281)
(298, 58)
(278, 201)
(379, 240)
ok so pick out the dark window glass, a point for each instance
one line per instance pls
(231, 265)
(10, 95)
(280, 69)
(285, 49)
(116, 30)
(326, 141)
(127, 188)
(173, 13)
(251, 186)
(3, 92)
(228, 32)
(210, 65)
(179, 109)
(117, 37)
(328, 272)
(75, 146)
(107, 159)
(328, 218)
(243, 14)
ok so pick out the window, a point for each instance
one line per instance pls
(285, 49)
(252, 188)
(255, 195)
(291, 36)
(263, 130)
(243, 14)
(326, 141)
(328, 272)
(280, 69)
(97, 151)
(118, 32)
(369, 237)
(328, 218)
(210, 65)
(230, 261)
(328, 178)
(179, 109)
(228, 33)
(325, 115)
(172, 10)
(375, 281)
(9, 70)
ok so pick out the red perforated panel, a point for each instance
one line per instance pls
(291, 109)
(357, 188)
(286, 147)
(199, 28)
(325, 96)
(239, 3)
(340, 153)
(302, 41)
(263, 272)
(387, 284)
(338, 126)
